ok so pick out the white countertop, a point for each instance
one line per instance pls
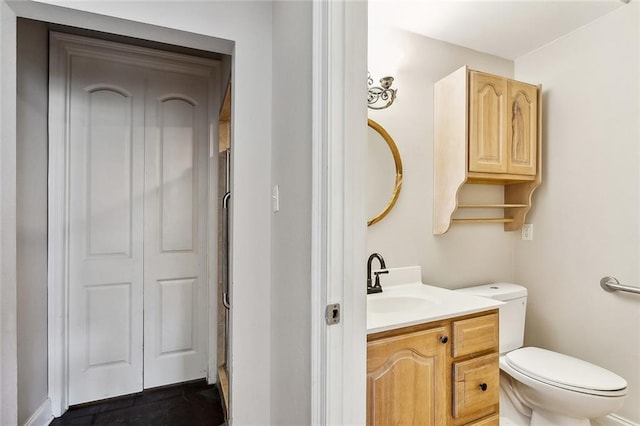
(406, 301)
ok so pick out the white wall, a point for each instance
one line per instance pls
(32, 160)
(291, 226)
(586, 213)
(208, 25)
(467, 254)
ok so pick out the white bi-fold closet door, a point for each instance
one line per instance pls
(137, 169)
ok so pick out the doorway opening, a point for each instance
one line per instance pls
(176, 293)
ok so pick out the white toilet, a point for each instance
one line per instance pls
(541, 387)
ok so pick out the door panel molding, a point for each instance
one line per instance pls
(111, 234)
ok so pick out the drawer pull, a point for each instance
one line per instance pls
(483, 386)
(444, 339)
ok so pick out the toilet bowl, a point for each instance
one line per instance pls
(562, 390)
(541, 387)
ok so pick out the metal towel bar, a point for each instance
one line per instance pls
(612, 284)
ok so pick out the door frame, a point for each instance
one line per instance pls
(339, 126)
(62, 48)
(8, 218)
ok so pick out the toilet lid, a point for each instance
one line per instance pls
(564, 371)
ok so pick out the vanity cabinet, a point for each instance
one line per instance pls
(439, 373)
(486, 131)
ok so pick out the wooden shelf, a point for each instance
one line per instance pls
(501, 179)
(484, 220)
(490, 206)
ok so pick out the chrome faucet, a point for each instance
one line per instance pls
(376, 287)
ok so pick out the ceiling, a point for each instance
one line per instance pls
(508, 29)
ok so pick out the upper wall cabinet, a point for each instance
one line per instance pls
(487, 131)
(503, 123)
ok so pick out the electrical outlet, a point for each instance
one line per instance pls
(527, 232)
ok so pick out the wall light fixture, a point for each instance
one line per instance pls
(380, 97)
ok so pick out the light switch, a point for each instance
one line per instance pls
(275, 198)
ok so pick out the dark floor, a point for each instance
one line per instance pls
(188, 404)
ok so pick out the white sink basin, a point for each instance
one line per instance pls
(406, 301)
(385, 305)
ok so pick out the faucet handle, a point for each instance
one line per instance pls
(377, 274)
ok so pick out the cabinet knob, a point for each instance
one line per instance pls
(483, 386)
(444, 339)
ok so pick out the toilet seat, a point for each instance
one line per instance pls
(566, 372)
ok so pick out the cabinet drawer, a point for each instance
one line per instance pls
(475, 385)
(475, 335)
(487, 421)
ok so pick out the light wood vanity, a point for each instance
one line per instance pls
(486, 131)
(443, 372)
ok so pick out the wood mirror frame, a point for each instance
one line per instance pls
(398, 165)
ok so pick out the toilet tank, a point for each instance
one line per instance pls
(512, 313)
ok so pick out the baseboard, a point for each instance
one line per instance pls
(613, 420)
(43, 415)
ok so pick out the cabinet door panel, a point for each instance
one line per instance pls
(522, 135)
(488, 124)
(406, 379)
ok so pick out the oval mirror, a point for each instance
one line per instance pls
(384, 173)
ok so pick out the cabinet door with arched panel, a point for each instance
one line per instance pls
(406, 378)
